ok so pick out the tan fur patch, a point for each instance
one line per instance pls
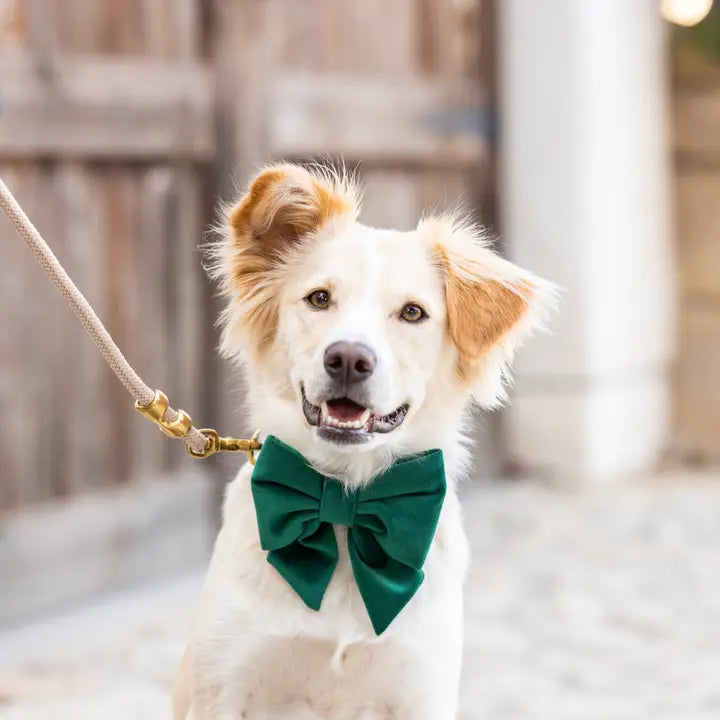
(283, 205)
(480, 313)
(256, 199)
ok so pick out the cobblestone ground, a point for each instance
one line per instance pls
(603, 605)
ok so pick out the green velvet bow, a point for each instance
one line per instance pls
(391, 524)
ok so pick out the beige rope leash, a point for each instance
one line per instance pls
(153, 404)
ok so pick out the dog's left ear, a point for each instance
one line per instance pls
(492, 304)
(284, 206)
(286, 202)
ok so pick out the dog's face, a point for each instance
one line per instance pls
(360, 339)
(362, 322)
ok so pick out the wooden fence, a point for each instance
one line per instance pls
(122, 120)
(105, 131)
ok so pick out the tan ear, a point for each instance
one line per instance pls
(286, 202)
(491, 303)
(284, 205)
(481, 312)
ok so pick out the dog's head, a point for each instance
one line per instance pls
(358, 340)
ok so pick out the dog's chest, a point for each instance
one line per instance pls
(257, 596)
(328, 663)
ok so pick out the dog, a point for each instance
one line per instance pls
(363, 349)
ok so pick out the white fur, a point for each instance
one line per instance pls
(257, 652)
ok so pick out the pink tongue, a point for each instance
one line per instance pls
(345, 410)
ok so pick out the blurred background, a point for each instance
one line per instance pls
(587, 136)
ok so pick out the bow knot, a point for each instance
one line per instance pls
(337, 505)
(391, 524)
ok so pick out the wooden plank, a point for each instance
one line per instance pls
(126, 25)
(83, 26)
(299, 21)
(692, 67)
(170, 28)
(50, 357)
(407, 121)
(18, 466)
(13, 25)
(187, 312)
(696, 107)
(245, 39)
(85, 378)
(42, 32)
(106, 108)
(698, 225)
(450, 35)
(158, 28)
(29, 321)
(697, 126)
(697, 391)
(373, 37)
(148, 279)
(443, 189)
(121, 306)
(390, 198)
(187, 18)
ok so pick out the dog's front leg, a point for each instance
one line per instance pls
(215, 702)
(433, 702)
(431, 680)
(212, 683)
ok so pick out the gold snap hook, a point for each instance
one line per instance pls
(212, 445)
(215, 443)
(180, 427)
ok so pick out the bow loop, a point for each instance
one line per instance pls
(400, 528)
(391, 525)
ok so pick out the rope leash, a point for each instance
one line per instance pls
(152, 404)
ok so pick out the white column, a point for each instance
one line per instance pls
(584, 193)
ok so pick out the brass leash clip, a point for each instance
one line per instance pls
(155, 411)
(216, 443)
(180, 427)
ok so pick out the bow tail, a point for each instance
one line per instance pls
(308, 564)
(386, 585)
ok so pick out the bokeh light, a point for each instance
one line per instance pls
(685, 12)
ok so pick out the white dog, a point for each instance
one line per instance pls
(362, 348)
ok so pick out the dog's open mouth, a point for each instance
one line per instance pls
(343, 420)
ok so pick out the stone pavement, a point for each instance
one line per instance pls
(603, 605)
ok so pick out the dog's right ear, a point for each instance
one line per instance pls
(286, 202)
(284, 205)
(492, 304)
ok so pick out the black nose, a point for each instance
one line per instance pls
(349, 362)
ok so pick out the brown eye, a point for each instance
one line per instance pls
(412, 313)
(319, 299)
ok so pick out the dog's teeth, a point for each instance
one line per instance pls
(331, 421)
